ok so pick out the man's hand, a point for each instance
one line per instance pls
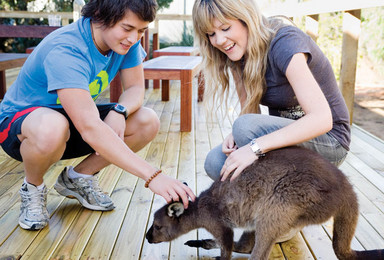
(171, 189)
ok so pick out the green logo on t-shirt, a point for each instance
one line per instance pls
(99, 84)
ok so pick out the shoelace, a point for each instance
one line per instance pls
(91, 185)
(35, 200)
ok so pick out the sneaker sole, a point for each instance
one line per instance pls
(33, 227)
(73, 195)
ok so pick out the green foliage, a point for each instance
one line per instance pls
(17, 44)
(64, 5)
(330, 38)
(163, 4)
(186, 40)
(372, 36)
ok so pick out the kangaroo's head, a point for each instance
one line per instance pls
(167, 224)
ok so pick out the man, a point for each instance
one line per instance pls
(49, 112)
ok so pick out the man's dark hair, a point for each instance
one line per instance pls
(109, 12)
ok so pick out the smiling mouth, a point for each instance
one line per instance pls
(126, 46)
(229, 47)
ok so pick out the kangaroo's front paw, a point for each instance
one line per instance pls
(204, 243)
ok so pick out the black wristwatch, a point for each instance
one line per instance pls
(121, 110)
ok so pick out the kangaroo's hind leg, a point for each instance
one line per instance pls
(267, 230)
(245, 243)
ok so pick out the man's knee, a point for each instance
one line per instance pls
(144, 123)
(48, 132)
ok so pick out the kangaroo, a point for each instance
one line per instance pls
(287, 189)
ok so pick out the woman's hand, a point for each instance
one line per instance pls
(237, 161)
(171, 189)
(229, 145)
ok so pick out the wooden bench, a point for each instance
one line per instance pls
(14, 60)
(183, 68)
(177, 51)
(9, 61)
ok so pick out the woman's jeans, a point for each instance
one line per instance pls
(250, 126)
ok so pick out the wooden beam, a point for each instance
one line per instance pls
(312, 26)
(34, 15)
(319, 7)
(351, 33)
(25, 31)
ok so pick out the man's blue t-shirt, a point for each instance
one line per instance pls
(66, 58)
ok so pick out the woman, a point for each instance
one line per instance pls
(272, 64)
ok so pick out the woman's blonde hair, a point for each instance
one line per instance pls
(217, 66)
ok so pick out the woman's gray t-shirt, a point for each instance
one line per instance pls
(280, 97)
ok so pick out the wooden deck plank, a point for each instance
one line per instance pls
(129, 244)
(169, 166)
(319, 242)
(61, 221)
(9, 221)
(373, 176)
(78, 233)
(73, 242)
(296, 248)
(107, 230)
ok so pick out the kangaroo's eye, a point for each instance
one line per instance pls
(156, 227)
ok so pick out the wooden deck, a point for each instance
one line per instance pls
(77, 233)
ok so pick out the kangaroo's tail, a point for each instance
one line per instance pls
(370, 255)
(344, 226)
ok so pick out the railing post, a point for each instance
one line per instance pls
(312, 26)
(351, 33)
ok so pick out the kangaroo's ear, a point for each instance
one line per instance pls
(175, 209)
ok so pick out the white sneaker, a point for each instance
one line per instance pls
(85, 190)
(33, 208)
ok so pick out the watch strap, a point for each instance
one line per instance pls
(120, 109)
(256, 149)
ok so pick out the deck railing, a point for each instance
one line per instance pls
(311, 10)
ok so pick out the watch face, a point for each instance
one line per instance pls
(120, 108)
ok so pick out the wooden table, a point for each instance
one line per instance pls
(181, 51)
(183, 68)
(177, 51)
(9, 61)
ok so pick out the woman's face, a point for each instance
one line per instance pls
(230, 38)
(125, 33)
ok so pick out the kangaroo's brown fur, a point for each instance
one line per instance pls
(288, 188)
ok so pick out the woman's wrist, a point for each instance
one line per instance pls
(256, 148)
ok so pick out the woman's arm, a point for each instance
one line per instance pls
(318, 116)
(317, 119)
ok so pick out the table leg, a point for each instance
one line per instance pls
(3, 84)
(186, 101)
(156, 83)
(115, 88)
(165, 90)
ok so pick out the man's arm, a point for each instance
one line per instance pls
(133, 88)
(84, 114)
